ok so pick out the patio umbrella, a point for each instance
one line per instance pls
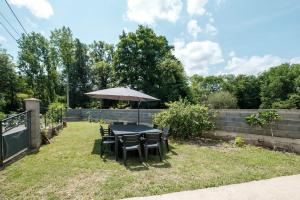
(122, 93)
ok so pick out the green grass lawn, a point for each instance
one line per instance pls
(71, 168)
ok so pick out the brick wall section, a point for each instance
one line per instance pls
(227, 120)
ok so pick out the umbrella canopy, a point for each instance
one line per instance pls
(121, 93)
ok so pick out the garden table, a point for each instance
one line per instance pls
(119, 130)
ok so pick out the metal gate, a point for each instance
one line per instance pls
(15, 136)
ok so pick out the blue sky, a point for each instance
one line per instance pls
(210, 36)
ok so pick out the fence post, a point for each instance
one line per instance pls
(1, 146)
(52, 118)
(61, 115)
(33, 105)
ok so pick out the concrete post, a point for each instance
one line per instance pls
(33, 105)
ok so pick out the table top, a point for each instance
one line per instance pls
(132, 129)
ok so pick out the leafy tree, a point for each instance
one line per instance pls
(202, 87)
(79, 76)
(137, 60)
(100, 55)
(222, 100)
(101, 75)
(278, 83)
(9, 85)
(247, 91)
(263, 119)
(174, 85)
(62, 44)
(36, 64)
(101, 51)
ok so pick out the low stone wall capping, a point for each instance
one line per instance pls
(227, 120)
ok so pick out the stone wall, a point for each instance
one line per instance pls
(227, 120)
(234, 121)
(113, 115)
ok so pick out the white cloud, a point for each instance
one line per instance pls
(252, 65)
(211, 29)
(2, 39)
(39, 8)
(231, 54)
(196, 7)
(147, 12)
(193, 28)
(295, 60)
(198, 56)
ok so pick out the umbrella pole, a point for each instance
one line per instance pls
(139, 112)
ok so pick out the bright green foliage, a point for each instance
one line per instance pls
(247, 91)
(202, 87)
(239, 141)
(292, 102)
(144, 62)
(54, 112)
(185, 119)
(101, 75)
(263, 119)
(79, 77)
(36, 65)
(2, 115)
(10, 83)
(56, 105)
(173, 83)
(278, 84)
(222, 100)
(101, 51)
(63, 44)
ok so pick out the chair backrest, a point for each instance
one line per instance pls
(118, 123)
(152, 137)
(131, 139)
(166, 131)
(103, 131)
(131, 123)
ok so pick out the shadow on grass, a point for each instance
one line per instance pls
(96, 148)
(133, 162)
(107, 155)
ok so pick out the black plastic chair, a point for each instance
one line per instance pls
(152, 141)
(131, 123)
(131, 143)
(106, 140)
(118, 123)
(165, 135)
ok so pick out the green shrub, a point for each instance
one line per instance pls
(185, 119)
(54, 112)
(263, 119)
(56, 105)
(2, 115)
(222, 100)
(292, 102)
(239, 141)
